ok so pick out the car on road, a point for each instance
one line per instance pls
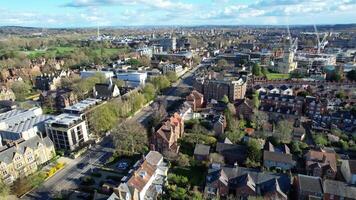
(81, 165)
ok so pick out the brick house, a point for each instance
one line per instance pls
(195, 99)
(321, 163)
(167, 135)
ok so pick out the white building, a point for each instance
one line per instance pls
(87, 74)
(67, 131)
(133, 78)
(16, 124)
(177, 69)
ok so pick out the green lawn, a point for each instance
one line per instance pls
(274, 76)
(195, 174)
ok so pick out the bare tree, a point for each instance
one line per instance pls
(130, 138)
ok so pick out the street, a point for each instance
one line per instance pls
(68, 178)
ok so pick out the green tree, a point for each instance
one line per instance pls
(259, 118)
(4, 190)
(149, 91)
(320, 140)
(21, 90)
(172, 77)
(183, 160)
(225, 99)
(160, 82)
(253, 153)
(130, 138)
(256, 100)
(103, 119)
(264, 71)
(284, 131)
(256, 69)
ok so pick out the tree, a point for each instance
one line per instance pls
(222, 63)
(225, 99)
(4, 190)
(103, 119)
(264, 71)
(351, 75)
(320, 140)
(259, 118)
(130, 138)
(183, 160)
(149, 91)
(253, 153)
(256, 100)
(284, 131)
(160, 82)
(21, 90)
(172, 77)
(216, 158)
(145, 61)
(256, 69)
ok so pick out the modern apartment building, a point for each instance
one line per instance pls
(22, 157)
(217, 88)
(67, 131)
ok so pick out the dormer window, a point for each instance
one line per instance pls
(142, 174)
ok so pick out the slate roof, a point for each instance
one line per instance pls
(339, 188)
(104, 90)
(352, 166)
(235, 176)
(278, 157)
(201, 149)
(7, 154)
(154, 157)
(310, 184)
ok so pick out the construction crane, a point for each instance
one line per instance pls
(320, 44)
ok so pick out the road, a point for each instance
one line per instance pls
(68, 178)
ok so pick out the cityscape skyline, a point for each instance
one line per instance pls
(92, 13)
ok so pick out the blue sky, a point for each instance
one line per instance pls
(91, 13)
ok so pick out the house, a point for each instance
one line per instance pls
(145, 180)
(6, 94)
(348, 170)
(22, 157)
(244, 109)
(232, 153)
(283, 104)
(58, 99)
(67, 131)
(244, 182)
(278, 160)
(201, 152)
(195, 99)
(50, 81)
(106, 90)
(321, 163)
(308, 187)
(166, 137)
(338, 190)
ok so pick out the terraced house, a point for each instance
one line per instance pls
(23, 157)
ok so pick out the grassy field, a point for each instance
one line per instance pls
(275, 76)
(68, 50)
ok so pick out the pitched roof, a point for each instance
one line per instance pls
(154, 157)
(141, 176)
(339, 188)
(352, 166)
(201, 149)
(104, 90)
(278, 157)
(324, 158)
(6, 155)
(310, 184)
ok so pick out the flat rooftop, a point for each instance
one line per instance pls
(83, 105)
(64, 119)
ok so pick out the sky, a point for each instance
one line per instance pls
(93, 13)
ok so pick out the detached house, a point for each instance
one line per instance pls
(321, 163)
(106, 90)
(145, 180)
(166, 137)
(278, 158)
